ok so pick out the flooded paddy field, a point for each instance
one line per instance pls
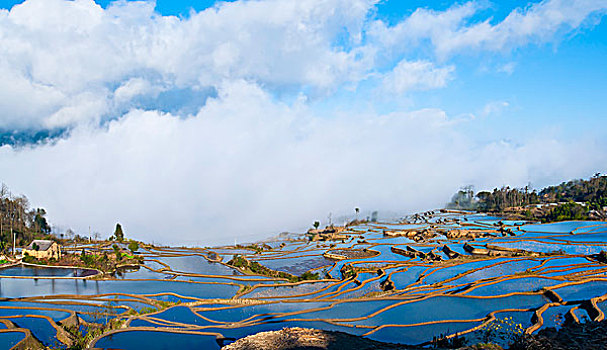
(442, 274)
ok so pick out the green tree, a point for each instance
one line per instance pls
(463, 199)
(118, 233)
(316, 224)
(117, 252)
(40, 223)
(567, 211)
(133, 246)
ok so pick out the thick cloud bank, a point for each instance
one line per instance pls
(212, 128)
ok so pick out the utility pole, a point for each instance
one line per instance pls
(12, 225)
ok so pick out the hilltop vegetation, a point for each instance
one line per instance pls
(254, 267)
(16, 217)
(592, 191)
(573, 200)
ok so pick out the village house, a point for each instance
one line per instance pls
(43, 249)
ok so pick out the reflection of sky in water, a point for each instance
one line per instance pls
(13, 288)
(10, 339)
(157, 340)
(301, 256)
(41, 328)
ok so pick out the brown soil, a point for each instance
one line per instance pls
(307, 339)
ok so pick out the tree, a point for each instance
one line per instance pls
(40, 224)
(316, 224)
(567, 211)
(18, 222)
(463, 199)
(133, 246)
(118, 233)
(117, 251)
(69, 234)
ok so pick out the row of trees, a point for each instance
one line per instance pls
(18, 219)
(592, 193)
(497, 200)
(506, 197)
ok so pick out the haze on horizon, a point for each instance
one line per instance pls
(205, 122)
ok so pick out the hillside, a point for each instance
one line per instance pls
(578, 199)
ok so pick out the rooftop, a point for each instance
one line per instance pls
(42, 244)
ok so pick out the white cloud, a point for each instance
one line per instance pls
(507, 68)
(452, 31)
(135, 87)
(494, 107)
(69, 58)
(25, 103)
(248, 166)
(416, 75)
(64, 48)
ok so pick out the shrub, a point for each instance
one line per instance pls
(133, 246)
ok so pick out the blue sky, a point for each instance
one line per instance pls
(568, 68)
(280, 111)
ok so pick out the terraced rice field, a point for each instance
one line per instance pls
(415, 285)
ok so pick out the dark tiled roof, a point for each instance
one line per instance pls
(41, 243)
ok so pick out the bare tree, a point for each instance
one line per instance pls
(69, 233)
